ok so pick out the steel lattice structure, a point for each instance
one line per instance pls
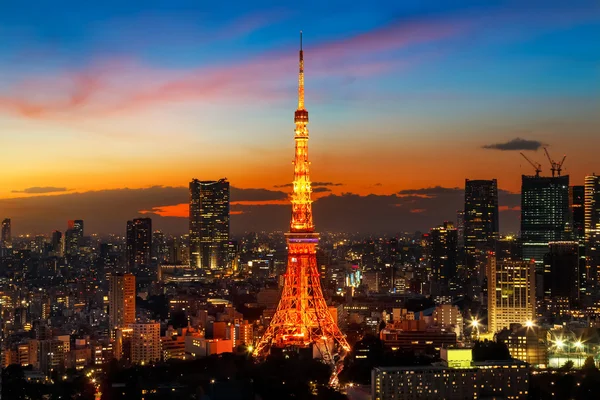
(302, 318)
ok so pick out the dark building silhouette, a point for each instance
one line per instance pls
(160, 247)
(544, 215)
(592, 227)
(577, 210)
(443, 252)
(6, 239)
(480, 221)
(460, 227)
(139, 244)
(508, 248)
(56, 242)
(561, 273)
(209, 223)
(73, 237)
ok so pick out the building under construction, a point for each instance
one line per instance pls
(544, 211)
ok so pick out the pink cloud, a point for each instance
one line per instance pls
(122, 86)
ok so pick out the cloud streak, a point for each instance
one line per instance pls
(41, 190)
(251, 210)
(118, 86)
(515, 145)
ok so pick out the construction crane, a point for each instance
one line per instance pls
(556, 167)
(537, 166)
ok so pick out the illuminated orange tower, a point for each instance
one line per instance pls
(302, 318)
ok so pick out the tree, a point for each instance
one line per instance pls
(13, 382)
(589, 366)
(567, 366)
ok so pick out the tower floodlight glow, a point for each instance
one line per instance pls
(302, 318)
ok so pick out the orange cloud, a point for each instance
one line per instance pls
(177, 210)
(260, 203)
(183, 210)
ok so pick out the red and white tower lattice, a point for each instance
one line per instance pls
(302, 318)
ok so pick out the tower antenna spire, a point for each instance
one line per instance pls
(302, 318)
(301, 77)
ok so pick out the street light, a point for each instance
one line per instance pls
(529, 324)
(559, 343)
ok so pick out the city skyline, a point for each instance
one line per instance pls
(156, 241)
(381, 99)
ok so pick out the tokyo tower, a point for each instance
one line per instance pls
(302, 318)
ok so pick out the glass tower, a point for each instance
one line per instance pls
(545, 215)
(209, 223)
(480, 220)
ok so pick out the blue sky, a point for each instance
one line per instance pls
(138, 94)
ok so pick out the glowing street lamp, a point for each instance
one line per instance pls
(578, 345)
(529, 324)
(559, 344)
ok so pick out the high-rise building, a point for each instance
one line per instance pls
(449, 317)
(160, 248)
(56, 242)
(443, 252)
(139, 243)
(145, 343)
(544, 215)
(51, 355)
(577, 211)
(508, 248)
(6, 239)
(73, 237)
(121, 300)
(511, 293)
(526, 343)
(561, 272)
(592, 227)
(460, 227)
(481, 221)
(209, 223)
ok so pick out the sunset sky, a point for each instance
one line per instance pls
(109, 110)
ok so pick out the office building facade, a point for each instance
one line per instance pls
(145, 343)
(592, 227)
(139, 244)
(443, 252)
(209, 224)
(121, 301)
(481, 225)
(511, 293)
(561, 272)
(6, 238)
(73, 237)
(545, 215)
(577, 211)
